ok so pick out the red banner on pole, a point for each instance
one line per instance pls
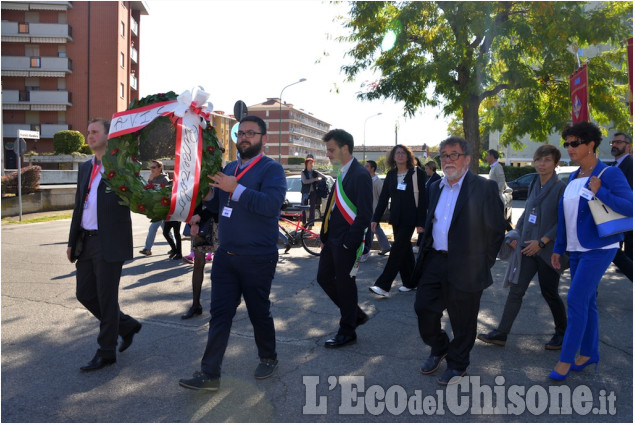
(579, 95)
(629, 48)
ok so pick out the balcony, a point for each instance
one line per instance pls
(134, 27)
(36, 100)
(36, 66)
(134, 55)
(47, 131)
(134, 83)
(25, 32)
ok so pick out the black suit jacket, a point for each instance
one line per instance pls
(113, 220)
(358, 186)
(476, 232)
(434, 177)
(627, 168)
(402, 203)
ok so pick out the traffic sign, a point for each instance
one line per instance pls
(28, 134)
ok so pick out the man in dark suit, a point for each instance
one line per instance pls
(620, 149)
(348, 213)
(464, 230)
(100, 240)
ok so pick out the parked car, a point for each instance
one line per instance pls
(507, 200)
(294, 196)
(520, 185)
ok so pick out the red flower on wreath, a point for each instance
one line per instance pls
(136, 173)
(165, 201)
(210, 149)
(123, 188)
(114, 151)
(110, 174)
(148, 186)
(162, 185)
(134, 158)
(141, 208)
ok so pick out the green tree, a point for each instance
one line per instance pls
(493, 65)
(68, 141)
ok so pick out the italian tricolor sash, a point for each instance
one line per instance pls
(346, 207)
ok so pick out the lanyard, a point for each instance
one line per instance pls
(93, 175)
(242, 173)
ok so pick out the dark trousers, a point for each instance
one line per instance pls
(334, 277)
(98, 290)
(234, 276)
(435, 294)
(401, 260)
(624, 257)
(176, 225)
(311, 201)
(548, 279)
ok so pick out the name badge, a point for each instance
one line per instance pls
(227, 212)
(401, 186)
(586, 194)
(532, 218)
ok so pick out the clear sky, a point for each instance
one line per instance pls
(249, 50)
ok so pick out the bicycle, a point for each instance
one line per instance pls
(308, 236)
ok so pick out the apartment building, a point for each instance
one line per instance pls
(292, 132)
(65, 62)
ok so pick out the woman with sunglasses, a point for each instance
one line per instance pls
(589, 254)
(405, 187)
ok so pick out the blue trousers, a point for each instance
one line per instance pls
(587, 269)
(234, 276)
(152, 233)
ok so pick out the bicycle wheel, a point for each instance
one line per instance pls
(310, 237)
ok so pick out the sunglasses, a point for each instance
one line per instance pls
(574, 143)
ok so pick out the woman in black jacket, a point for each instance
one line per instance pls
(405, 187)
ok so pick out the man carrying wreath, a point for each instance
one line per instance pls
(249, 193)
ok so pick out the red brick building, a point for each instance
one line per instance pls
(64, 63)
(292, 132)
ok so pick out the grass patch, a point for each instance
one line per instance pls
(41, 219)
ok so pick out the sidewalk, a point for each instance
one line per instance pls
(47, 335)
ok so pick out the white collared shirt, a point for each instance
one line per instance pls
(89, 216)
(443, 213)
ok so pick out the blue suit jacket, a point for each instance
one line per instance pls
(614, 192)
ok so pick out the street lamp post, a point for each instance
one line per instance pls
(280, 123)
(372, 116)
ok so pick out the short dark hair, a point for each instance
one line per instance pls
(257, 120)
(546, 150)
(586, 131)
(455, 140)
(341, 137)
(626, 136)
(390, 158)
(372, 164)
(493, 152)
(431, 165)
(104, 121)
(159, 163)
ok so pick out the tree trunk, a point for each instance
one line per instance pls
(471, 130)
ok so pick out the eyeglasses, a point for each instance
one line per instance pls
(574, 143)
(617, 142)
(452, 157)
(249, 134)
(153, 167)
(400, 153)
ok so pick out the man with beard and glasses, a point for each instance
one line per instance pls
(249, 193)
(620, 149)
(464, 230)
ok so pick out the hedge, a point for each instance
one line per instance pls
(68, 141)
(30, 180)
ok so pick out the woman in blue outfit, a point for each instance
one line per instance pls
(589, 254)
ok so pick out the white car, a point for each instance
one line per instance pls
(294, 196)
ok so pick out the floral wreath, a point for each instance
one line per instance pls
(122, 167)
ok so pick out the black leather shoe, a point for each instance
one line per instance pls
(340, 341)
(97, 363)
(431, 364)
(127, 340)
(362, 319)
(494, 337)
(451, 377)
(555, 343)
(193, 311)
(287, 247)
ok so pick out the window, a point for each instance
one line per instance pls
(23, 28)
(122, 60)
(122, 90)
(123, 29)
(61, 51)
(35, 62)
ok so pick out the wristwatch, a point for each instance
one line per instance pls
(541, 244)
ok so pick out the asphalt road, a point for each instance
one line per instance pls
(47, 335)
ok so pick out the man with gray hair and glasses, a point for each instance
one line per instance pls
(620, 149)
